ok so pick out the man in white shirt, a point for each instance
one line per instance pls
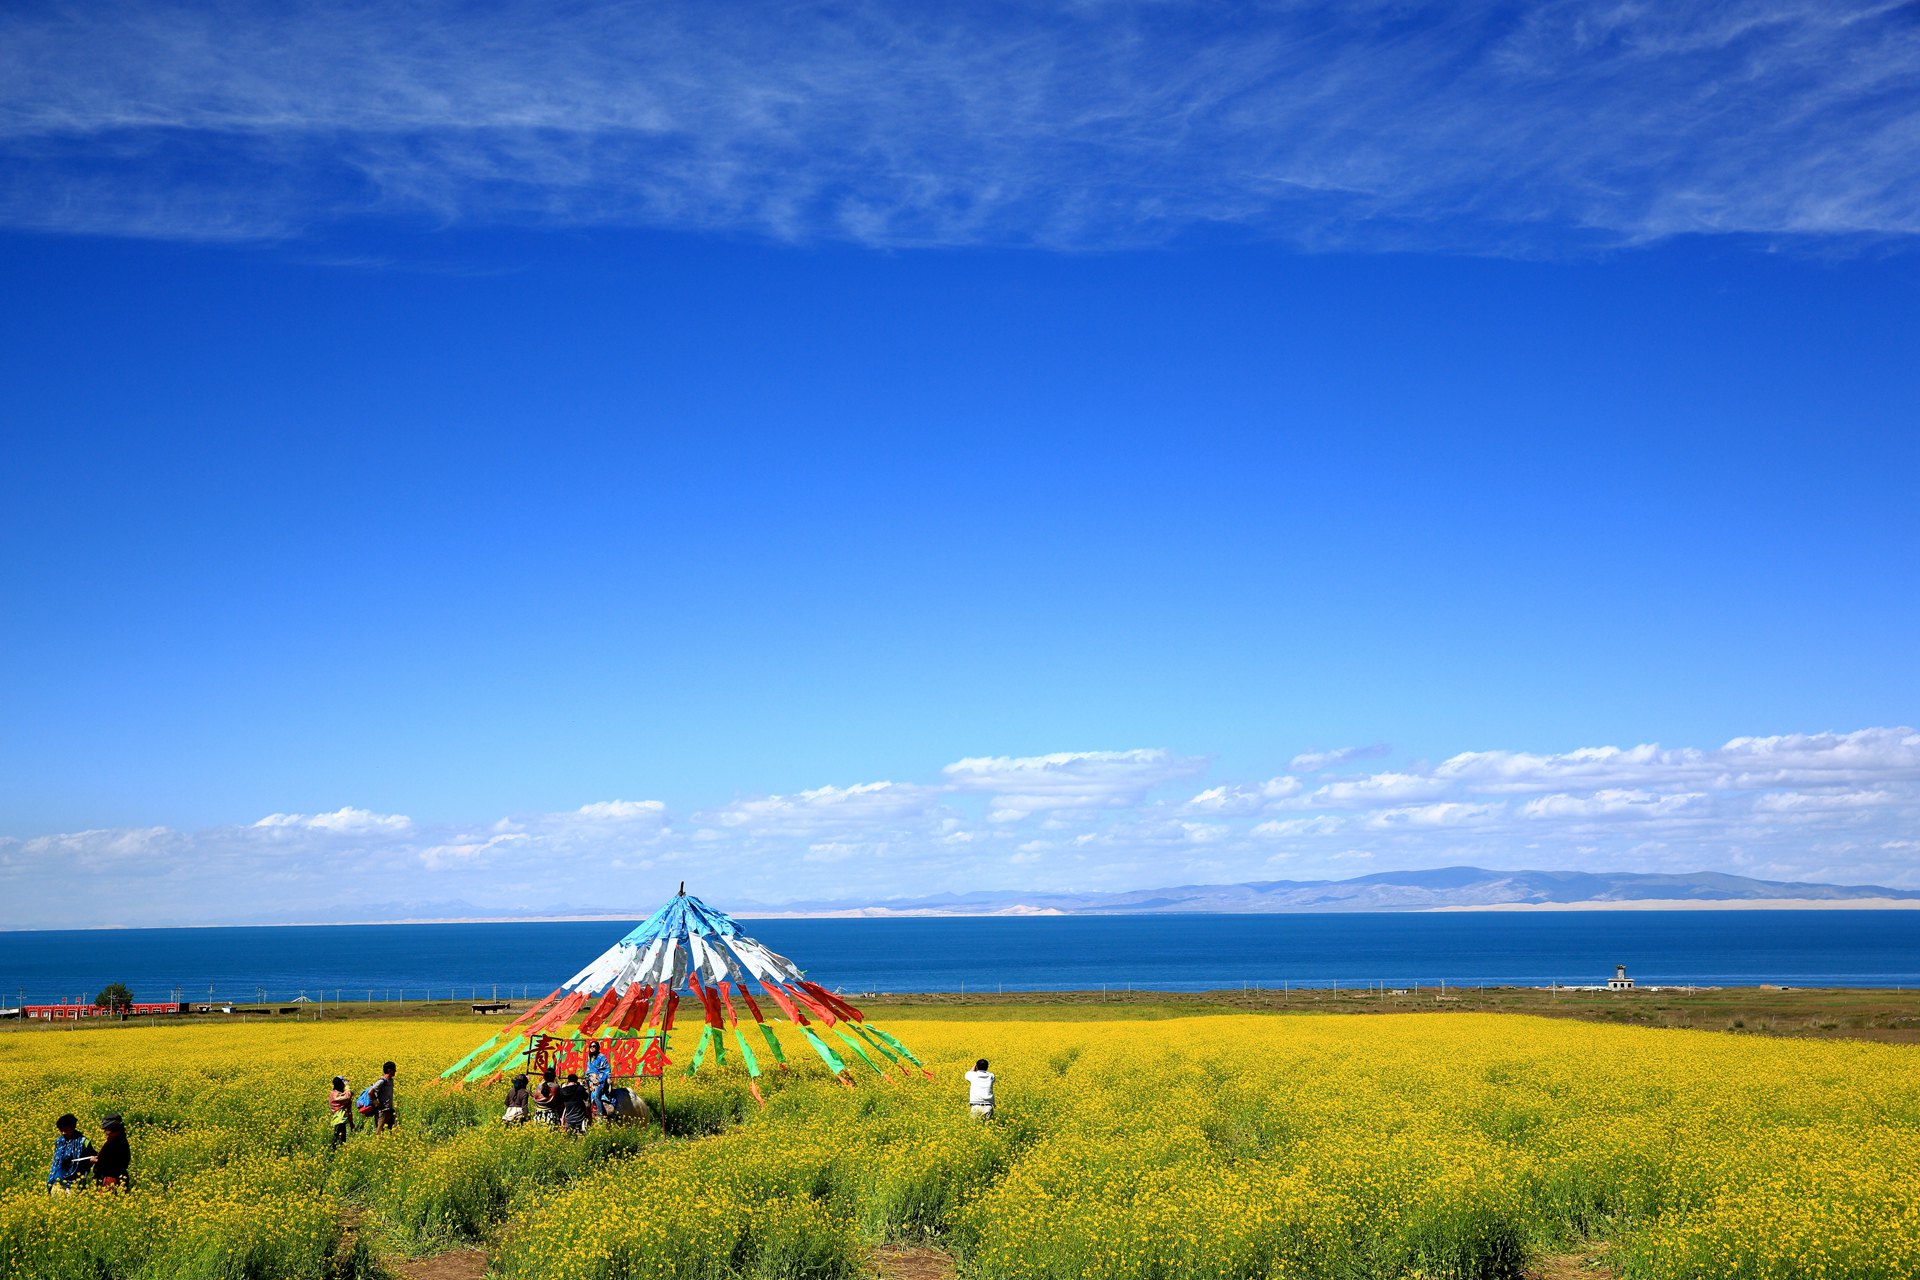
(980, 1091)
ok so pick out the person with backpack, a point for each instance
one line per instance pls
(72, 1154)
(376, 1100)
(110, 1166)
(340, 1103)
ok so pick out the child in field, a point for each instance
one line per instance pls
(979, 1091)
(72, 1154)
(340, 1102)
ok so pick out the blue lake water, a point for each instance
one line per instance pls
(1173, 953)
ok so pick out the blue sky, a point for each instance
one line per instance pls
(864, 451)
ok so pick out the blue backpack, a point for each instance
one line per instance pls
(364, 1103)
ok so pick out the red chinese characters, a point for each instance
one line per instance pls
(629, 1056)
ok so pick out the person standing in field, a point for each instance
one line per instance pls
(72, 1153)
(546, 1099)
(572, 1099)
(979, 1091)
(516, 1112)
(599, 1078)
(110, 1166)
(340, 1102)
(383, 1109)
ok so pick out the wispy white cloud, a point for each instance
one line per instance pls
(825, 809)
(1320, 761)
(1024, 785)
(1094, 125)
(1615, 802)
(1794, 806)
(1443, 813)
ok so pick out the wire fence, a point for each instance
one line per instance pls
(229, 997)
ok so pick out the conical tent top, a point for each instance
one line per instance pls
(689, 950)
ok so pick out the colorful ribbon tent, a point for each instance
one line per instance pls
(630, 996)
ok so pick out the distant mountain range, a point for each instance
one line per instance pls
(1440, 889)
(1443, 888)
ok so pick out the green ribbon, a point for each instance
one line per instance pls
(867, 1035)
(908, 1053)
(492, 1064)
(746, 1051)
(860, 1049)
(462, 1065)
(827, 1055)
(700, 1051)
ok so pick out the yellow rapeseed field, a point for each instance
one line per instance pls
(1445, 1145)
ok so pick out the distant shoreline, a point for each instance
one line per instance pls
(1022, 913)
(1721, 904)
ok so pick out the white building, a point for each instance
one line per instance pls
(1619, 981)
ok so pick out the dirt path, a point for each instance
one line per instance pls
(455, 1264)
(1590, 1265)
(904, 1262)
(901, 1262)
(915, 1262)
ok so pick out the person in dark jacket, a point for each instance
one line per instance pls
(72, 1155)
(573, 1104)
(110, 1166)
(516, 1112)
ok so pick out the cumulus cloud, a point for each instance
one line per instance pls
(1796, 806)
(1324, 124)
(624, 810)
(1787, 760)
(1248, 798)
(347, 820)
